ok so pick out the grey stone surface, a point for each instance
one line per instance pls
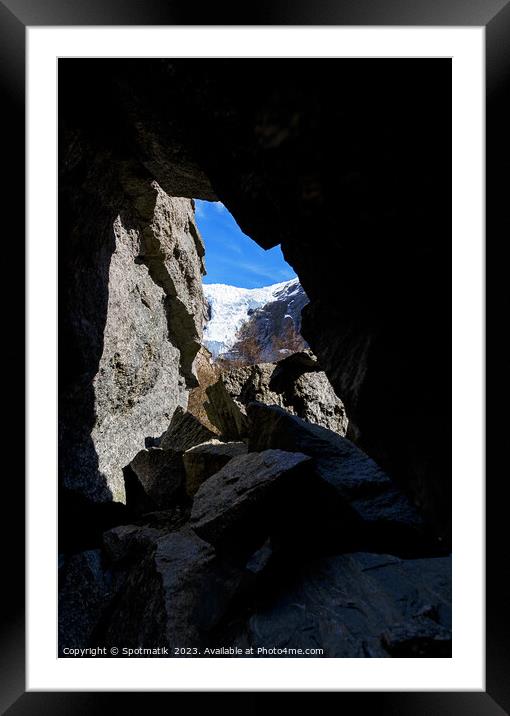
(153, 315)
(226, 398)
(259, 560)
(154, 479)
(206, 459)
(127, 541)
(294, 383)
(175, 596)
(184, 432)
(207, 373)
(239, 506)
(166, 520)
(354, 606)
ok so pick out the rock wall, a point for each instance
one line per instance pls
(148, 278)
(207, 374)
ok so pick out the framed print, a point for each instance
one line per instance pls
(255, 290)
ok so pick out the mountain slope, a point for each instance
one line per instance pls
(264, 317)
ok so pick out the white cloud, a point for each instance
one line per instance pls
(256, 269)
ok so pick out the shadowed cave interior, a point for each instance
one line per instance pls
(293, 503)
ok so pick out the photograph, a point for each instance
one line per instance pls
(245, 254)
(254, 320)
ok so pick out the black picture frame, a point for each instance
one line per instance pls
(15, 16)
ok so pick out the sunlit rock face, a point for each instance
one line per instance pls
(152, 331)
(138, 385)
(295, 383)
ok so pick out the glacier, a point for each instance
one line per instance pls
(230, 307)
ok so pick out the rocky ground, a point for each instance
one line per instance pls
(272, 531)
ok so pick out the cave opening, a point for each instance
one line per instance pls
(252, 347)
(253, 296)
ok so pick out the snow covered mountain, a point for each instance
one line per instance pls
(259, 315)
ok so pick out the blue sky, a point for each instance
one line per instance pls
(233, 258)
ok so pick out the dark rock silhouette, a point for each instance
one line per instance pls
(206, 459)
(154, 479)
(238, 508)
(359, 605)
(85, 591)
(382, 508)
(181, 589)
(184, 432)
